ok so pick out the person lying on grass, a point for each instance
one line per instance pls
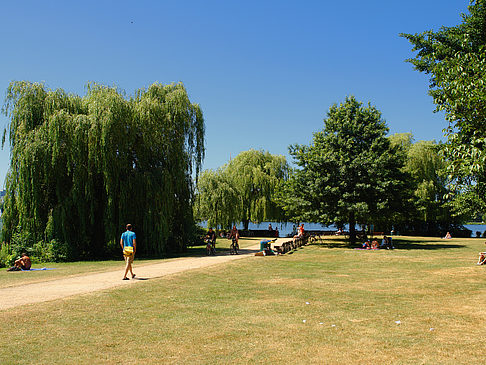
(23, 263)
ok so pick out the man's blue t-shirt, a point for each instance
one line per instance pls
(127, 238)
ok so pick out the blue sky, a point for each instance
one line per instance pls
(264, 72)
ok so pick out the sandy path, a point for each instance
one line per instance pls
(61, 288)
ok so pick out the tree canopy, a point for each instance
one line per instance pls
(349, 173)
(84, 166)
(218, 201)
(429, 210)
(243, 190)
(455, 59)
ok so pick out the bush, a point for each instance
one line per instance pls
(42, 252)
(52, 251)
(7, 258)
(61, 251)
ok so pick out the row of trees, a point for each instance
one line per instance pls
(83, 167)
(350, 173)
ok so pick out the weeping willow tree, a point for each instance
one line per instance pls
(243, 190)
(218, 201)
(83, 167)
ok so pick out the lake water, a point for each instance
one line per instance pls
(476, 228)
(287, 228)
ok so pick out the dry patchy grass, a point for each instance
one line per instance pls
(253, 311)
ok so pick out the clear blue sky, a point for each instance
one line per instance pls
(264, 72)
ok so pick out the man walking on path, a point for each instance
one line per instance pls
(128, 243)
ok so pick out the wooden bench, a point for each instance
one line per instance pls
(290, 245)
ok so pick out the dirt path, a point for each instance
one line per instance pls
(61, 288)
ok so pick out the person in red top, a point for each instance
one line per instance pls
(300, 233)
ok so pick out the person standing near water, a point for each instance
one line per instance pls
(128, 243)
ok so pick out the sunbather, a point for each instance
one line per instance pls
(367, 245)
(374, 244)
(23, 263)
(482, 258)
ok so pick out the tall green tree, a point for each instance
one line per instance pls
(427, 168)
(427, 208)
(349, 173)
(256, 175)
(455, 59)
(217, 200)
(243, 190)
(83, 167)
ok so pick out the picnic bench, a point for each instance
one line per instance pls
(290, 245)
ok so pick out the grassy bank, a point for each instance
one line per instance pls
(421, 303)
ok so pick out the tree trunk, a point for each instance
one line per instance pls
(246, 222)
(352, 231)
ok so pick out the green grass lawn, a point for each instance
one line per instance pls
(255, 311)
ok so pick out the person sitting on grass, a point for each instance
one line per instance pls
(374, 244)
(386, 242)
(366, 245)
(482, 258)
(23, 263)
(447, 236)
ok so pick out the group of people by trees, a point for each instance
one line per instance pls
(81, 167)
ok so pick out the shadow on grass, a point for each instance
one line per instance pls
(417, 245)
(402, 244)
